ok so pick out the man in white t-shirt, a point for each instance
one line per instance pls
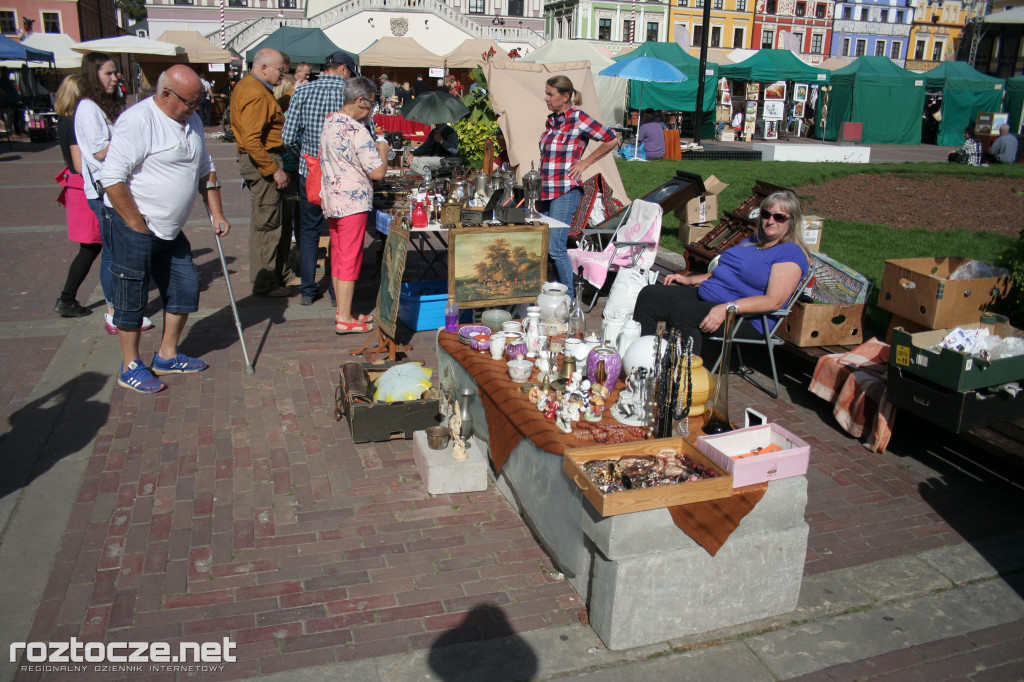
(156, 163)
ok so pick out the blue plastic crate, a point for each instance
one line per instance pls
(421, 305)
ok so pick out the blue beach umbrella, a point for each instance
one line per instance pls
(643, 69)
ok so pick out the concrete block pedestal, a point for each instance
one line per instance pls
(443, 475)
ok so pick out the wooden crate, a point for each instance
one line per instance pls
(645, 499)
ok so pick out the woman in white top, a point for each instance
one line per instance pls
(95, 114)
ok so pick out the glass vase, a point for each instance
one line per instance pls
(717, 412)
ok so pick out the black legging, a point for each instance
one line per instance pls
(680, 308)
(79, 270)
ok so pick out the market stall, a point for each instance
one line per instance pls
(402, 58)
(610, 92)
(886, 99)
(674, 97)
(300, 44)
(965, 93)
(774, 91)
(1015, 102)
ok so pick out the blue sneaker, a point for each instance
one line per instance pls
(179, 364)
(138, 378)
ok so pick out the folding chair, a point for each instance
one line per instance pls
(768, 338)
(634, 242)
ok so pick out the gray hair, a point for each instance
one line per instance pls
(359, 86)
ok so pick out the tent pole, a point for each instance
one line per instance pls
(698, 117)
(639, 113)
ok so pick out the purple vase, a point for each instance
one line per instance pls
(515, 345)
(612, 365)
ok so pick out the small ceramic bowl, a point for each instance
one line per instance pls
(519, 370)
(481, 342)
(494, 318)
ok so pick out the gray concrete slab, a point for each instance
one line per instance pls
(732, 661)
(965, 563)
(897, 579)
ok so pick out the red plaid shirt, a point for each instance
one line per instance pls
(562, 144)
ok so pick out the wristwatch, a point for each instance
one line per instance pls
(733, 306)
(213, 185)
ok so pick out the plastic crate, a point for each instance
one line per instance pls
(421, 305)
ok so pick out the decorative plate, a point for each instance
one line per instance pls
(468, 331)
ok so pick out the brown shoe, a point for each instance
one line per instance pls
(276, 292)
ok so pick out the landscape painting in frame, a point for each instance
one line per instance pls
(497, 266)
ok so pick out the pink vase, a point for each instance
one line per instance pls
(612, 365)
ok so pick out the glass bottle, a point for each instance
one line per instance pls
(717, 412)
(419, 215)
(577, 328)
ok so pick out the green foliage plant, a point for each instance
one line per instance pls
(479, 126)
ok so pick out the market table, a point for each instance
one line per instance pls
(644, 579)
(395, 123)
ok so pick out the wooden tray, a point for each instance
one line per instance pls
(628, 501)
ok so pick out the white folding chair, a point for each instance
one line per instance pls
(634, 242)
(767, 338)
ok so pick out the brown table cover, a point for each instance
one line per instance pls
(511, 417)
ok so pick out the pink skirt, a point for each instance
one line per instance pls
(83, 226)
(347, 245)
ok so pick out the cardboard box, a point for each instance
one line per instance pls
(812, 231)
(644, 499)
(728, 135)
(918, 289)
(952, 410)
(732, 452)
(374, 422)
(689, 234)
(953, 369)
(704, 209)
(823, 324)
(903, 323)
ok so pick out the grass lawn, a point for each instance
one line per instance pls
(862, 246)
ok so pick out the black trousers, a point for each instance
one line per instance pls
(680, 308)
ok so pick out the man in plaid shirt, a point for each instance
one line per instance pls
(309, 107)
(565, 138)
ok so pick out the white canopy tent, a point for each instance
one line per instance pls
(129, 45)
(516, 90)
(610, 92)
(59, 44)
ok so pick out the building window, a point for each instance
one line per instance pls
(716, 36)
(769, 7)
(847, 12)
(476, 6)
(801, 9)
(684, 3)
(741, 5)
(287, 4)
(880, 48)
(799, 40)
(862, 46)
(819, 11)
(895, 51)
(719, 4)
(51, 22)
(515, 8)
(698, 3)
(864, 14)
(846, 47)
(885, 16)
(184, 2)
(737, 38)
(937, 52)
(899, 16)
(604, 29)
(767, 40)
(627, 30)
(816, 41)
(652, 31)
(698, 34)
(238, 3)
(919, 50)
(8, 22)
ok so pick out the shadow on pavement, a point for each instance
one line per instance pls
(509, 658)
(46, 430)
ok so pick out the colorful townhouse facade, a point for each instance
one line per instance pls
(80, 19)
(809, 21)
(872, 27)
(731, 25)
(608, 21)
(936, 31)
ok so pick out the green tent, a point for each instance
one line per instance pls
(1014, 101)
(886, 99)
(300, 44)
(768, 66)
(965, 92)
(674, 96)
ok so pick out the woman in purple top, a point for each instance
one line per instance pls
(652, 135)
(757, 275)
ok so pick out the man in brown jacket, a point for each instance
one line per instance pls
(257, 120)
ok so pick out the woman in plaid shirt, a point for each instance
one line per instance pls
(562, 144)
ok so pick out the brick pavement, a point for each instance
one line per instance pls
(234, 505)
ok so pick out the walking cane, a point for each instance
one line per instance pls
(249, 369)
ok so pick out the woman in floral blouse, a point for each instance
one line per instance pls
(350, 160)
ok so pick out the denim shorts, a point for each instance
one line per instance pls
(136, 258)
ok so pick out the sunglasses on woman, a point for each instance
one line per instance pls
(779, 217)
